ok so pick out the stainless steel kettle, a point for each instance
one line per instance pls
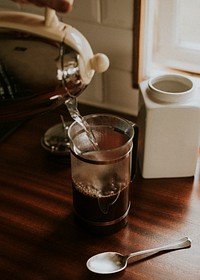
(43, 62)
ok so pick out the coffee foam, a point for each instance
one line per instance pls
(91, 191)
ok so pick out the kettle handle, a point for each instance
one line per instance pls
(135, 151)
(51, 18)
(50, 15)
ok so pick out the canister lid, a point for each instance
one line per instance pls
(172, 88)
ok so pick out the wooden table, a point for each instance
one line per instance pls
(40, 240)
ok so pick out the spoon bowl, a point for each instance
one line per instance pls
(112, 262)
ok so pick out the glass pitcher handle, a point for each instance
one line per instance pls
(135, 151)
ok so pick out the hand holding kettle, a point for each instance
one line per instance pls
(63, 6)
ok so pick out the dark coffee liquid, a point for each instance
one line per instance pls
(100, 213)
(101, 179)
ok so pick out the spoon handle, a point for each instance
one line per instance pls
(180, 244)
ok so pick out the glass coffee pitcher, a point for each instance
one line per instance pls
(102, 174)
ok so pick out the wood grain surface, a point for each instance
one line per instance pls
(40, 239)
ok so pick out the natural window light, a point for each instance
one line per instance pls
(170, 37)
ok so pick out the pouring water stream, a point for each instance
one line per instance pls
(71, 104)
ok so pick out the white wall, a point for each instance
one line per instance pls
(108, 27)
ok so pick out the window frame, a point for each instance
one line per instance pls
(142, 23)
(145, 64)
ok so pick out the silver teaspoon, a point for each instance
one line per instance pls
(112, 262)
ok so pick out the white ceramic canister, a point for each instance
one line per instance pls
(169, 122)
